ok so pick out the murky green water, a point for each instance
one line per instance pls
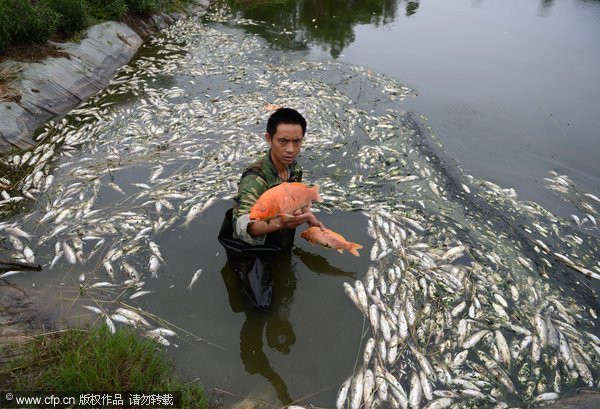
(176, 128)
(509, 87)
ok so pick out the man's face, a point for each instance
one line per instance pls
(285, 143)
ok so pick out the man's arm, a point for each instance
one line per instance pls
(258, 228)
(250, 188)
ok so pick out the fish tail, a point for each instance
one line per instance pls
(318, 198)
(353, 249)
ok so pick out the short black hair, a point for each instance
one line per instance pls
(285, 116)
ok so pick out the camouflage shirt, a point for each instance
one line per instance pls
(257, 179)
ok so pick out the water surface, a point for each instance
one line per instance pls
(176, 128)
(509, 87)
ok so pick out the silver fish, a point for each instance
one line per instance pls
(441, 403)
(368, 351)
(132, 315)
(194, 278)
(69, 253)
(154, 264)
(357, 390)
(343, 393)
(368, 388)
(474, 339)
(139, 294)
(416, 393)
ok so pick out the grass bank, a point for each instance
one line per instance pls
(91, 360)
(35, 21)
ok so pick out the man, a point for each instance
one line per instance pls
(285, 133)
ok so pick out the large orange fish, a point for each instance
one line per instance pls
(285, 198)
(329, 238)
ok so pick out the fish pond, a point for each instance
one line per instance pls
(464, 294)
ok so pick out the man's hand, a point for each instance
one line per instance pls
(299, 217)
(285, 221)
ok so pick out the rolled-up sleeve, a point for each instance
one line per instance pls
(241, 228)
(250, 189)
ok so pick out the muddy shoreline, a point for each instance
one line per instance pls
(17, 316)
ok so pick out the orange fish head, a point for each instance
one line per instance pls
(305, 235)
(260, 211)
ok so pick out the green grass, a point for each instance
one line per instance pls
(94, 360)
(26, 21)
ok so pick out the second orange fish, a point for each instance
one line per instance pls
(329, 238)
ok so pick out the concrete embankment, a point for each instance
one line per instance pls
(50, 88)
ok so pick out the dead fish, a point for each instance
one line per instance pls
(132, 315)
(196, 209)
(109, 269)
(93, 309)
(110, 324)
(16, 231)
(156, 250)
(131, 271)
(165, 332)
(329, 238)
(10, 273)
(139, 294)
(194, 278)
(16, 243)
(56, 258)
(69, 253)
(102, 284)
(154, 264)
(357, 391)
(157, 172)
(343, 393)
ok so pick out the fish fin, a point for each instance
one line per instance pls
(354, 248)
(341, 251)
(316, 189)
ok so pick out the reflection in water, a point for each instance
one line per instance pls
(320, 265)
(273, 321)
(298, 24)
(329, 24)
(545, 8)
(411, 8)
(547, 3)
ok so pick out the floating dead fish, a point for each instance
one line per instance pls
(424, 302)
(329, 238)
(194, 278)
